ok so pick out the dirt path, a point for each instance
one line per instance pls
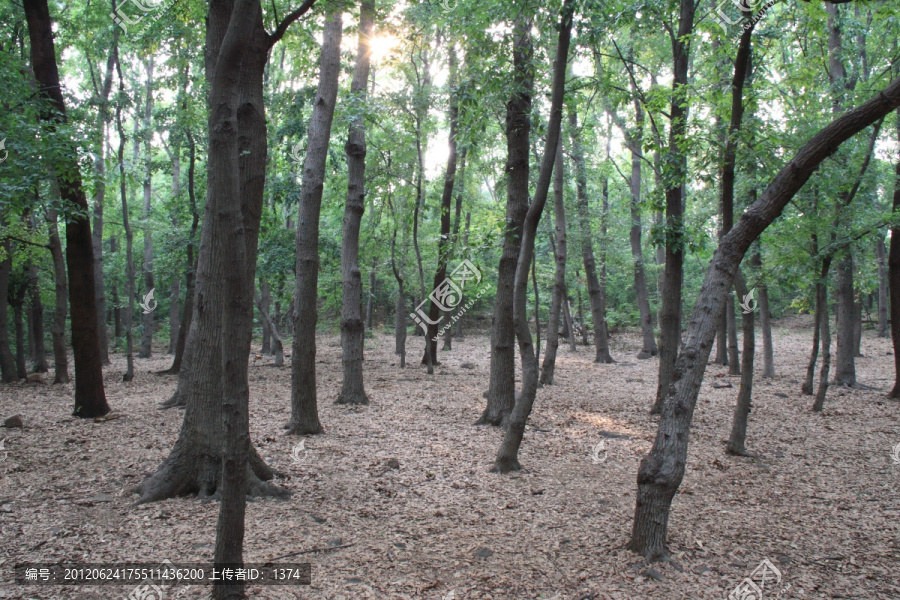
(822, 500)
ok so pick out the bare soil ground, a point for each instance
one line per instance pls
(821, 500)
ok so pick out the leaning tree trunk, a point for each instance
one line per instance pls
(672, 279)
(662, 470)
(90, 397)
(508, 454)
(595, 290)
(147, 331)
(352, 328)
(559, 280)
(304, 407)
(61, 306)
(501, 390)
(738, 439)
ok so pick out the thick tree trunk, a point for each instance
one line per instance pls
(508, 454)
(738, 439)
(670, 310)
(845, 363)
(559, 280)
(61, 306)
(90, 397)
(304, 407)
(595, 290)
(147, 331)
(352, 332)
(501, 390)
(662, 470)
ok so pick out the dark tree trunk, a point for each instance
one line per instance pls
(454, 240)
(400, 314)
(18, 304)
(147, 331)
(559, 280)
(90, 397)
(8, 370)
(662, 470)
(765, 319)
(670, 309)
(501, 390)
(595, 289)
(508, 454)
(129, 258)
(370, 300)
(738, 439)
(881, 255)
(265, 301)
(36, 322)
(174, 313)
(537, 318)
(824, 333)
(584, 332)
(845, 363)
(304, 407)
(61, 306)
(894, 277)
(277, 347)
(459, 328)
(635, 142)
(352, 332)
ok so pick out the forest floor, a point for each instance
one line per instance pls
(821, 501)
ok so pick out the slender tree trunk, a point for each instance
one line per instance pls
(147, 333)
(825, 333)
(304, 407)
(738, 439)
(765, 319)
(670, 310)
(595, 289)
(502, 387)
(662, 470)
(581, 323)
(352, 331)
(567, 313)
(459, 328)
(8, 370)
(507, 456)
(90, 397)
(400, 313)
(370, 300)
(118, 331)
(537, 318)
(174, 313)
(277, 347)
(18, 304)
(129, 258)
(881, 256)
(559, 281)
(265, 301)
(894, 276)
(61, 306)
(36, 321)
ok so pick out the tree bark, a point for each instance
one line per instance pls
(8, 370)
(501, 390)
(670, 310)
(147, 331)
(662, 470)
(174, 313)
(277, 346)
(824, 333)
(894, 276)
(352, 330)
(559, 280)
(507, 456)
(400, 313)
(265, 301)
(18, 303)
(595, 290)
(129, 237)
(454, 240)
(36, 321)
(90, 397)
(738, 439)
(370, 299)
(304, 407)
(61, 306)
(881, 256)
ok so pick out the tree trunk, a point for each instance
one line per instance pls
(352, 332)
(90, 397)
(507, 456)
(662, 470)
(559, 280)
(277, 347)
(174, 299)
(116, 310)
(765, 318)
(454, 240)
(18, 304)
(147, 331)
(304, 407)
(8, 370)
(845, 367)
(825, 333)
(265, 301)
(881, 255)
(670, 309)
(738, 439)
(129, 258)
(400, 313)
(370, 300)
(567, 313)
(595, 290)
(537, 318)
(635, 142)
(61, 306)
(502, 387)
(894, 277)
(36, 322)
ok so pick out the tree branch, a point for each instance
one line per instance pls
(287, 21)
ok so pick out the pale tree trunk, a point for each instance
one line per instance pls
(61, 306)
(352, 331)
(508, 454)
(670, 309)
(370, 300)
(567, 313)
(175, 285)
(662, 470)
(501, 390)
(147, 333)
(595, 289)
(304, 407)
(264, 302)
(116, 310)
(90, 396)
(559, 280)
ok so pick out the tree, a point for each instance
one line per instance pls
(559, 281)
(662, 470)
(352, 326)
(147, 330)
(90, 397)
